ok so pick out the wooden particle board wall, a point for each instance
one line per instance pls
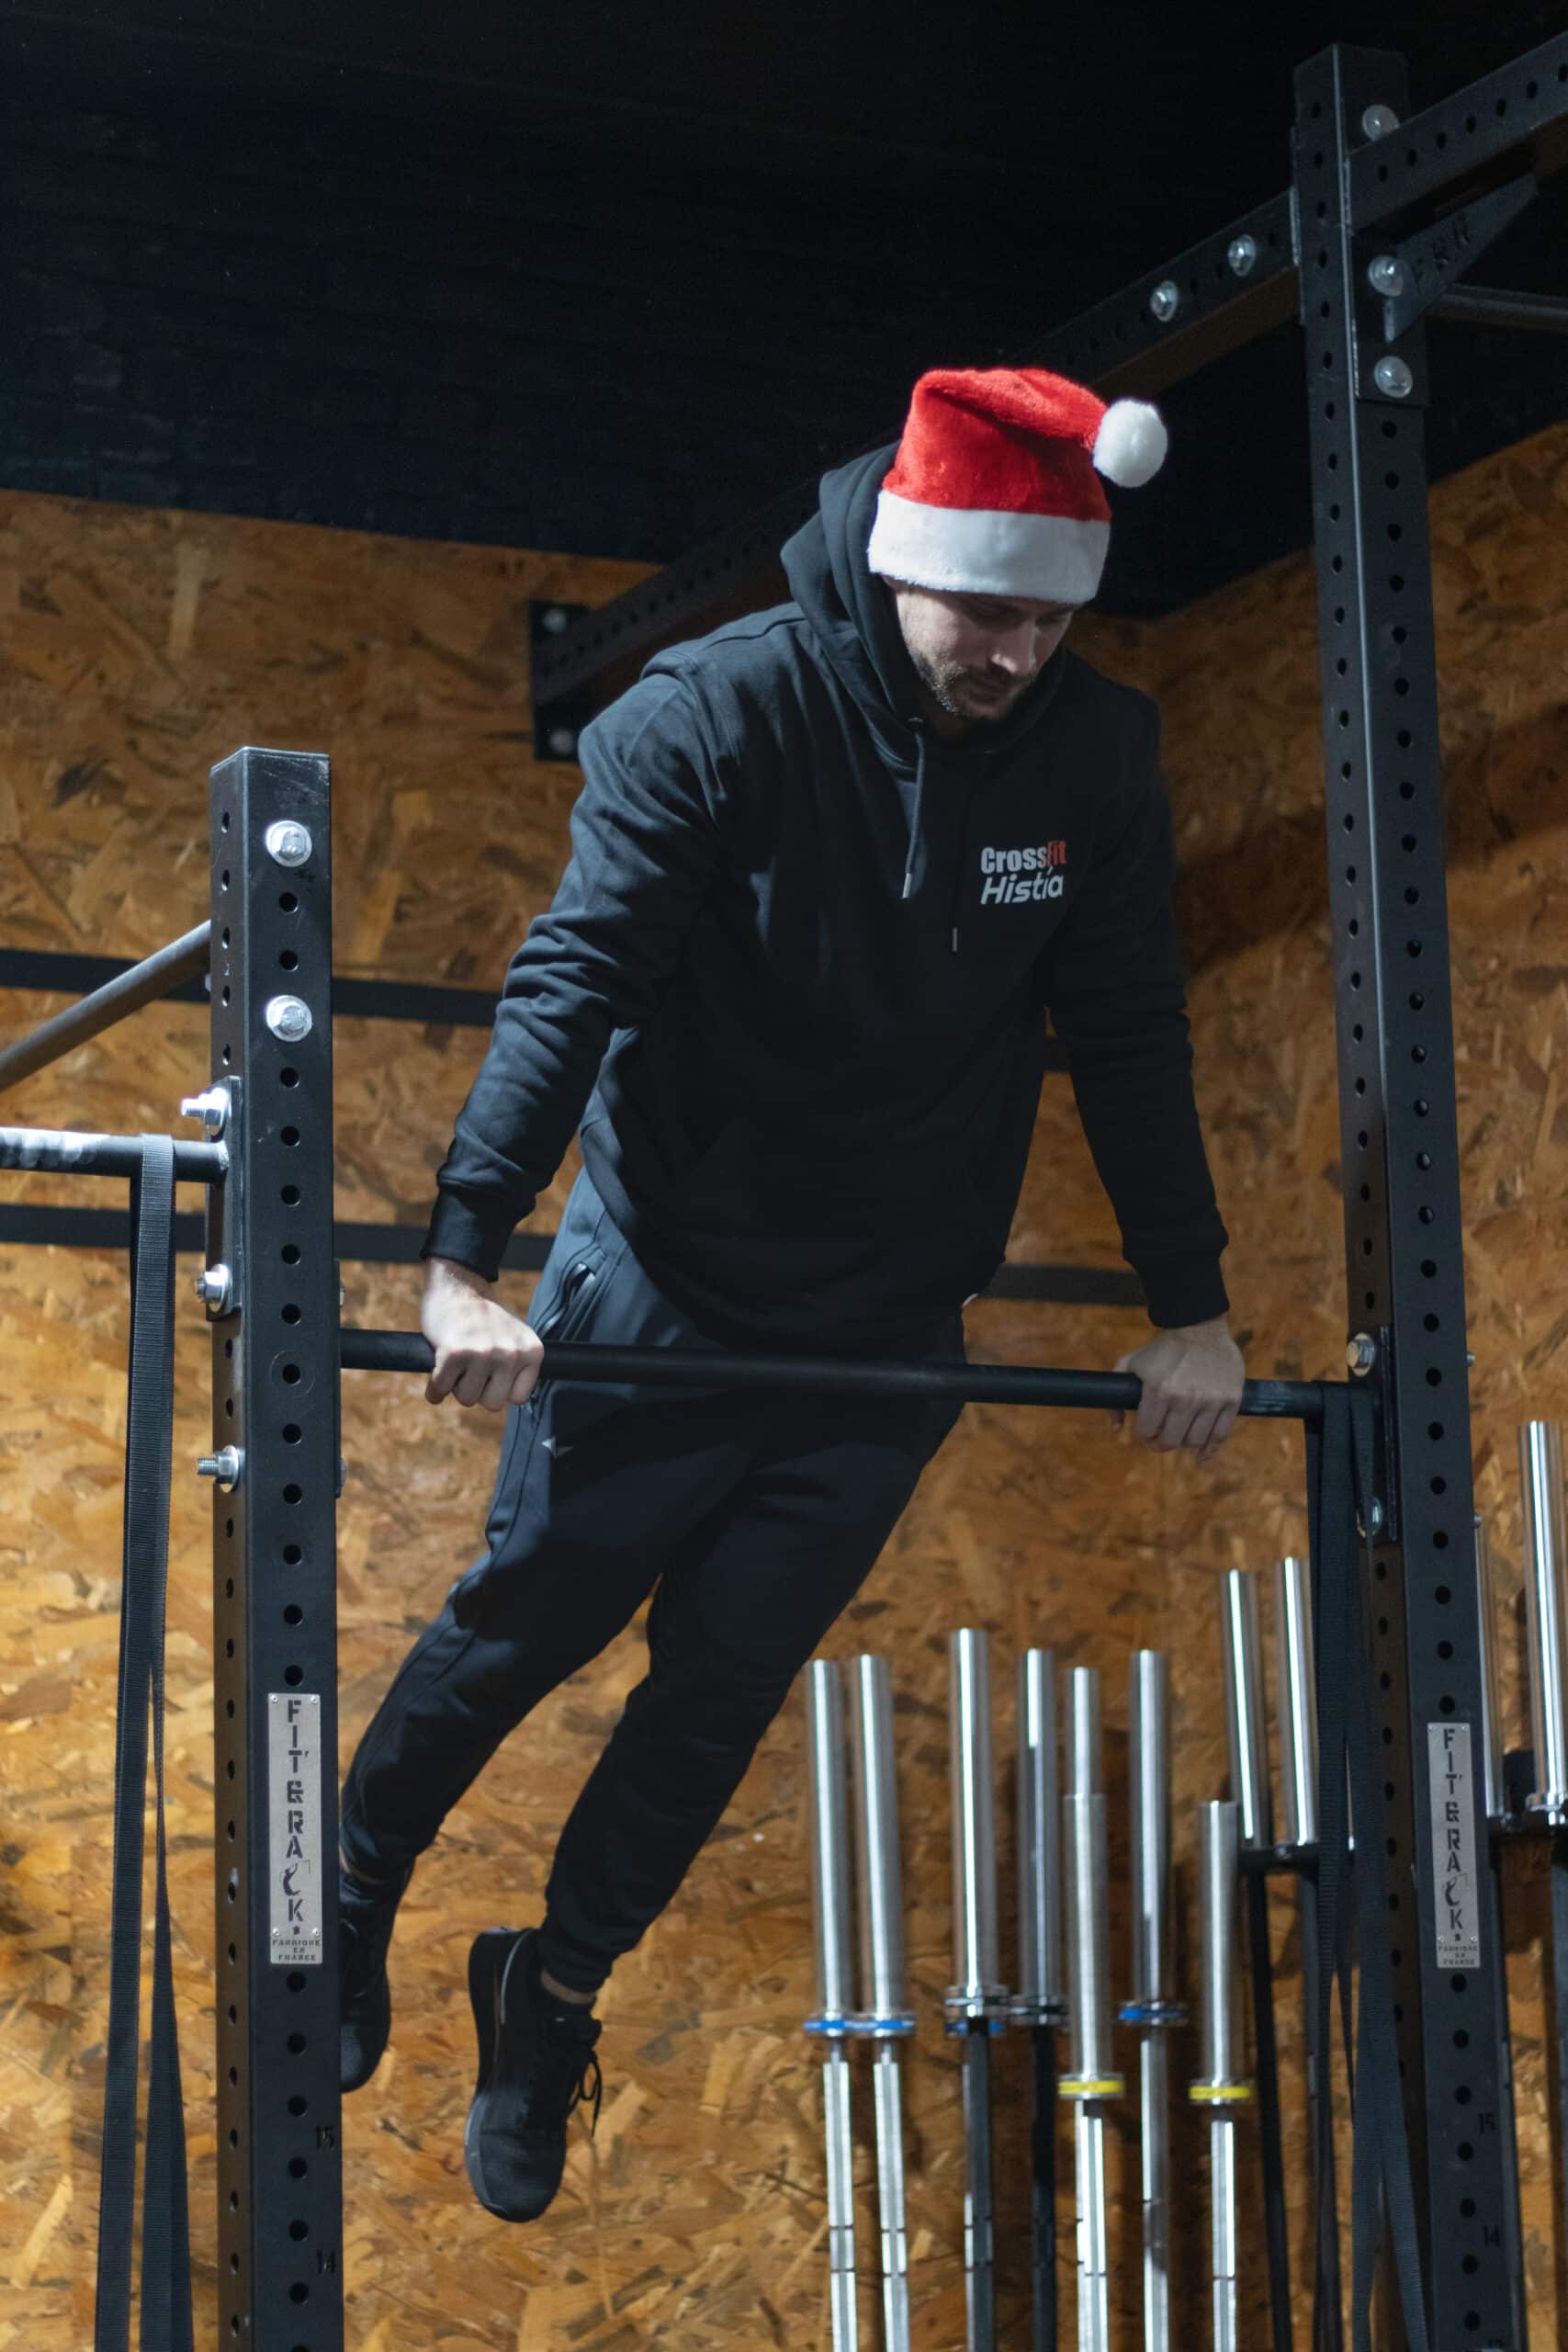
(137, 649)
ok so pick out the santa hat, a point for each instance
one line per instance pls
(994, 489)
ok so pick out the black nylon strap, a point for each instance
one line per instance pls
(165, 2258)
(1340, 1488)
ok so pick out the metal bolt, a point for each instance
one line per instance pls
(1393, 376)
(1376, 1516)
(289, 1017)
(287, 842)
(1386, 274)
(216, 1285)
(225, 1466)
(1361, 1354)
(1378, 121)
(1242, 254)
(1468, 1357)
(1166, 301)
(211, 1108)
(563, 742)
(555, 619)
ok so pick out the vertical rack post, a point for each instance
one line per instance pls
(1366, 395)
(275, 1375)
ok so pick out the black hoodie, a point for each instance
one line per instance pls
(794, 981)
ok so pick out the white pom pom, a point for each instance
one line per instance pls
(1130, 446)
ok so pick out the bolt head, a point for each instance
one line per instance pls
(288, 843)
(563, 743)
(1393, 376)
(1166, 301)
(554, 619)
(1378, 121)
(288, 1018)
(224, 1466)
(1242, 255)
(1377, 1517)
(1361, 1353)
(211, 1108)
(1387, 274)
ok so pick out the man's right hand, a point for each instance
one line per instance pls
(484, 1354)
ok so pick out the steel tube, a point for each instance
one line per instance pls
(1485, 306)
(878, 1878)
(974, 1383)
(1491, 1706)
(830, 1840)
(1546, 1601)
(1092, 2072)
(1247, 1732)
(976, 1990)
(1149, 1761)
(1219, 1829)
(1094, 2267)
(1040, 1998)
(49, 1151)
(1220, 2087)
(1297, 1685)
(1082, 1734)
(840, 2198)
(887, 2090)
(881, 2011)
(167, 967)
(828, 1779)
(1151, 2005)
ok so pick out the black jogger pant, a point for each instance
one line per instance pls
(757, 1518)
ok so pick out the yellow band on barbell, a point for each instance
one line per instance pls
(1090, 2086)
(1219, 2094)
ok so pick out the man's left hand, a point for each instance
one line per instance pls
(1193, 1378)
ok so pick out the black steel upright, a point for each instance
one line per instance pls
(272, 1300)
(1402, 1223)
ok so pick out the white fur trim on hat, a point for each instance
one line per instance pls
(1050, 559)
(1130, 445)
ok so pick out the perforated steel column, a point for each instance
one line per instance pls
(1402, 1233)
(276, 1402)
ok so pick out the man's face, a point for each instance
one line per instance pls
(977, 654)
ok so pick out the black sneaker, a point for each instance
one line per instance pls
(536, 2061)
(365, 2004)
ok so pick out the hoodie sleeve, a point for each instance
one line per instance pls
(1114, 981)
(644, 836)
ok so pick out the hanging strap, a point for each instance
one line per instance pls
(165, 2230)
(1340, 1490)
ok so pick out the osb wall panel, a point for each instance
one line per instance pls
(139, 648)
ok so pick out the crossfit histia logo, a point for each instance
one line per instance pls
(1014, 877)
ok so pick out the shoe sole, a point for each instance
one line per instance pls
(486, 1962)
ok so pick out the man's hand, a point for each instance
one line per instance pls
(1192, 1379)
(484, 1354)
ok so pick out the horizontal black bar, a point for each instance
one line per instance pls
(441, 1007)
(1525, 101)
(399, 1245)
(50, 1151)
(975, 1383)
(124, 991)
(28, 967)
(1490, 306)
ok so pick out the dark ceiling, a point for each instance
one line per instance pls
(950, 184)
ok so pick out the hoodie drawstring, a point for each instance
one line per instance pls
(907, 890)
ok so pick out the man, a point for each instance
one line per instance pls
(830, 867)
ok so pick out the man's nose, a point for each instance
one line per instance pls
(1015, 653)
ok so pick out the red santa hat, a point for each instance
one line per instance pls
(996, 488)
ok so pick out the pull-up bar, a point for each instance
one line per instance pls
(971, 1384)
(156, 975)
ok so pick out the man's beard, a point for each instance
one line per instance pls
(945, 682)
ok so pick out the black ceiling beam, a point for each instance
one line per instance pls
(1223, 292)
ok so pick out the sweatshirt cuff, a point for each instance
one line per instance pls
(458, 1231)
(1182, 1294)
